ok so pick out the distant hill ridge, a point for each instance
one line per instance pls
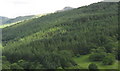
(5, 20)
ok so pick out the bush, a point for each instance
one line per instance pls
(97, 56)
(109, 59)
(78, 55)
(92, 67)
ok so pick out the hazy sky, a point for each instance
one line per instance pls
(14, 8)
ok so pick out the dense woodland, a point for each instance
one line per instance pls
(53, 40)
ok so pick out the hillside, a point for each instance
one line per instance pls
(53, 40)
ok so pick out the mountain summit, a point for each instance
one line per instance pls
(65, 9)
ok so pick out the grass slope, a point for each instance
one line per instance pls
(83, 62)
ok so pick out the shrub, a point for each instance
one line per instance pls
(97, 56)
(92, 67)
(78, 55)
(109, 59)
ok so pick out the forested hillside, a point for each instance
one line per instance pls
(57, 40)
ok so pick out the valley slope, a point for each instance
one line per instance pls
(53, 40)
